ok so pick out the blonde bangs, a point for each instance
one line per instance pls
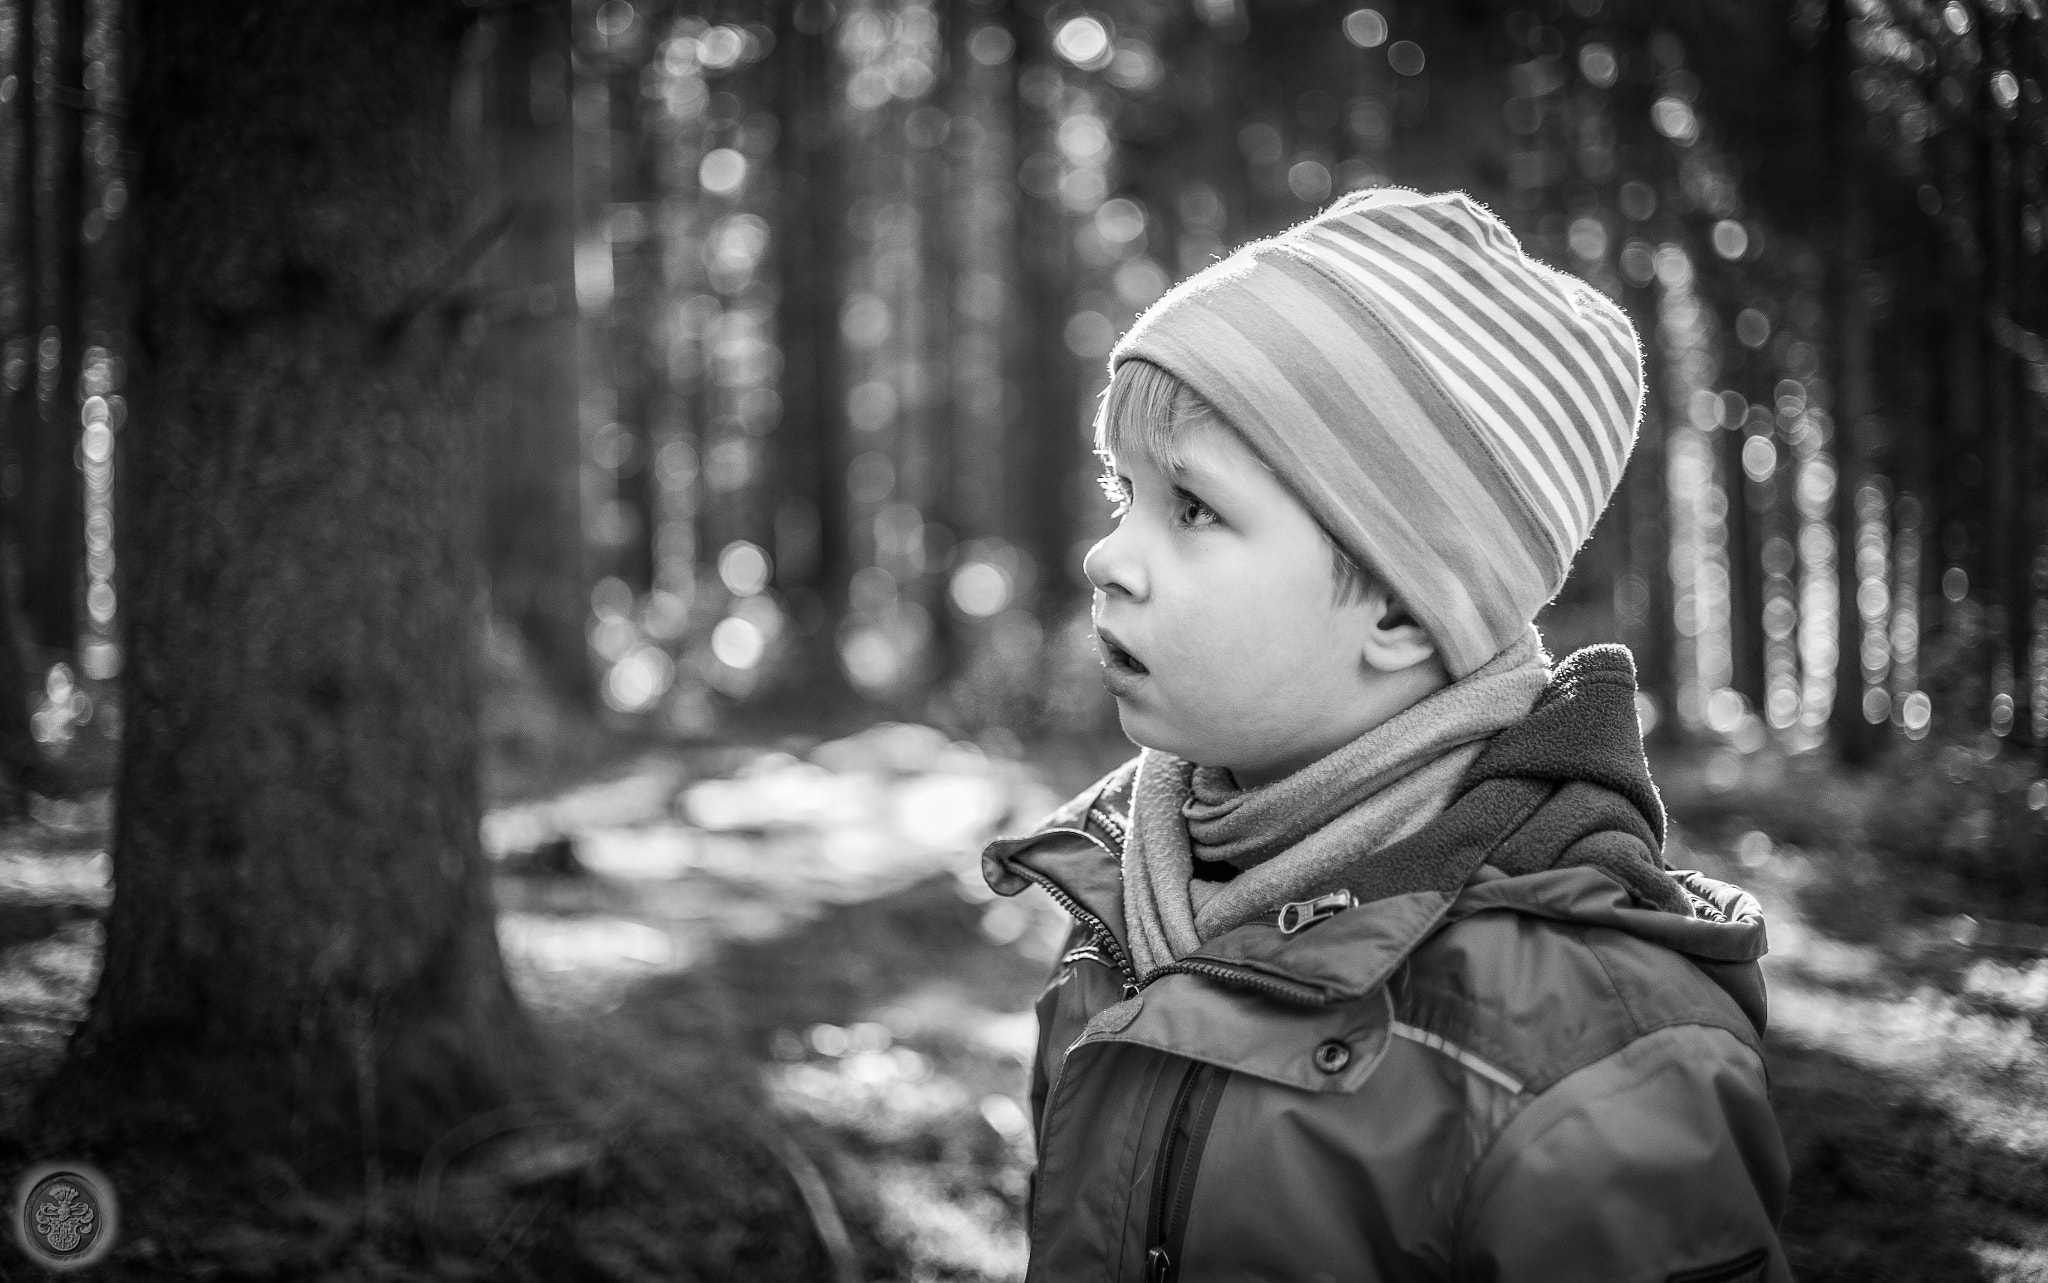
(1143, 411)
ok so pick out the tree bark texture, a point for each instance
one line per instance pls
(533, 454)
(300, 955)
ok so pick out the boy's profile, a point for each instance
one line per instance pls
(1377, 970)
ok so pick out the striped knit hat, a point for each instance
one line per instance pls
(1455, 413)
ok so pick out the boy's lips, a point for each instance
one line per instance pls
(1122, 672)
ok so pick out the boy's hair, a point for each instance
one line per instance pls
(1144, 411)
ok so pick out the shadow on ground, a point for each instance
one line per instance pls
(1885, 1185)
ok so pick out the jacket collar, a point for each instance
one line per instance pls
(1346, 956)
(1582, 729)
(1355, 952)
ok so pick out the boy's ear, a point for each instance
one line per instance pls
(1393, 641)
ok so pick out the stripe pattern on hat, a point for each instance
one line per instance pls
(1455, 414)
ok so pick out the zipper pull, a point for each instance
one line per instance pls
(1158, 1266)
(1306, 913)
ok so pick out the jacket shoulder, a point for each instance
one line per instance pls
(1542, 998)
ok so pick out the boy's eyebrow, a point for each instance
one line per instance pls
(1192, 467)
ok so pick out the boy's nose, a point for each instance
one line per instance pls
(1111, 567)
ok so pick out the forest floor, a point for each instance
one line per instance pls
(794, 1030)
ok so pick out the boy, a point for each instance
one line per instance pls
(1377, 970)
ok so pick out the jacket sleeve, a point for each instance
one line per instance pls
(1661, 1163)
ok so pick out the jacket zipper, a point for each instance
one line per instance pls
(1299, 994)
(1174, 1187)
(1096, 924)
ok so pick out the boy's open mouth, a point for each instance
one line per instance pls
(1120, 668)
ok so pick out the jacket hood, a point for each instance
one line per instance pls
(1583, 729)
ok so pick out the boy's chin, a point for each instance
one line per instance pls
(1143, 729)
(1149, 730)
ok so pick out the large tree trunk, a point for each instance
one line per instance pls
(300, 955)
(533, 454)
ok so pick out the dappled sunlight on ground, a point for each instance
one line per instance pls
(1908, 1067)
(653, 868)
(833, 903)
(55, 882)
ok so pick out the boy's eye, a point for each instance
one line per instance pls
(1118, 491)
(1190, 511)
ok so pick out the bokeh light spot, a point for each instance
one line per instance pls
(1406, 58)
(738, 643)
(1759, 459)
(1916, 713)
(639, 680)
(1597, 64)
(980, 590)
(722, 171)
(991, 46)
(1084, 42)
(744, 569)
(1309, 180)
(1731, 239)
(1365, 28)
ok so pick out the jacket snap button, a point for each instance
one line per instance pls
(1332, 1056)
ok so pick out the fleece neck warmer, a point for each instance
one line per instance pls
(1308, 833)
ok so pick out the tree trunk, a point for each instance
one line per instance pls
(1041, 457)
(1855, 739)
(19, 759)
(53, 529)
(636, 311)
(812, 445)
(300, 955)
(24, 262)
(1748, 515)
(22, 767)
(533, 453)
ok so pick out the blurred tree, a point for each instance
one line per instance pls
(1045, 452)
(1855, 737)
(813, 447)
(529, 395)
(22, 766)
(301, 955)
(23, 279)
(632, 181)
(53, 526)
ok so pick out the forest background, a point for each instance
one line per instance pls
(416, 394)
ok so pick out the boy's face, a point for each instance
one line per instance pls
(1215, 609)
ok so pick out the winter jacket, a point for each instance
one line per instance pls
(1535, 1076)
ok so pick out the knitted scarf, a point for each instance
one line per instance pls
(1299, 836)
